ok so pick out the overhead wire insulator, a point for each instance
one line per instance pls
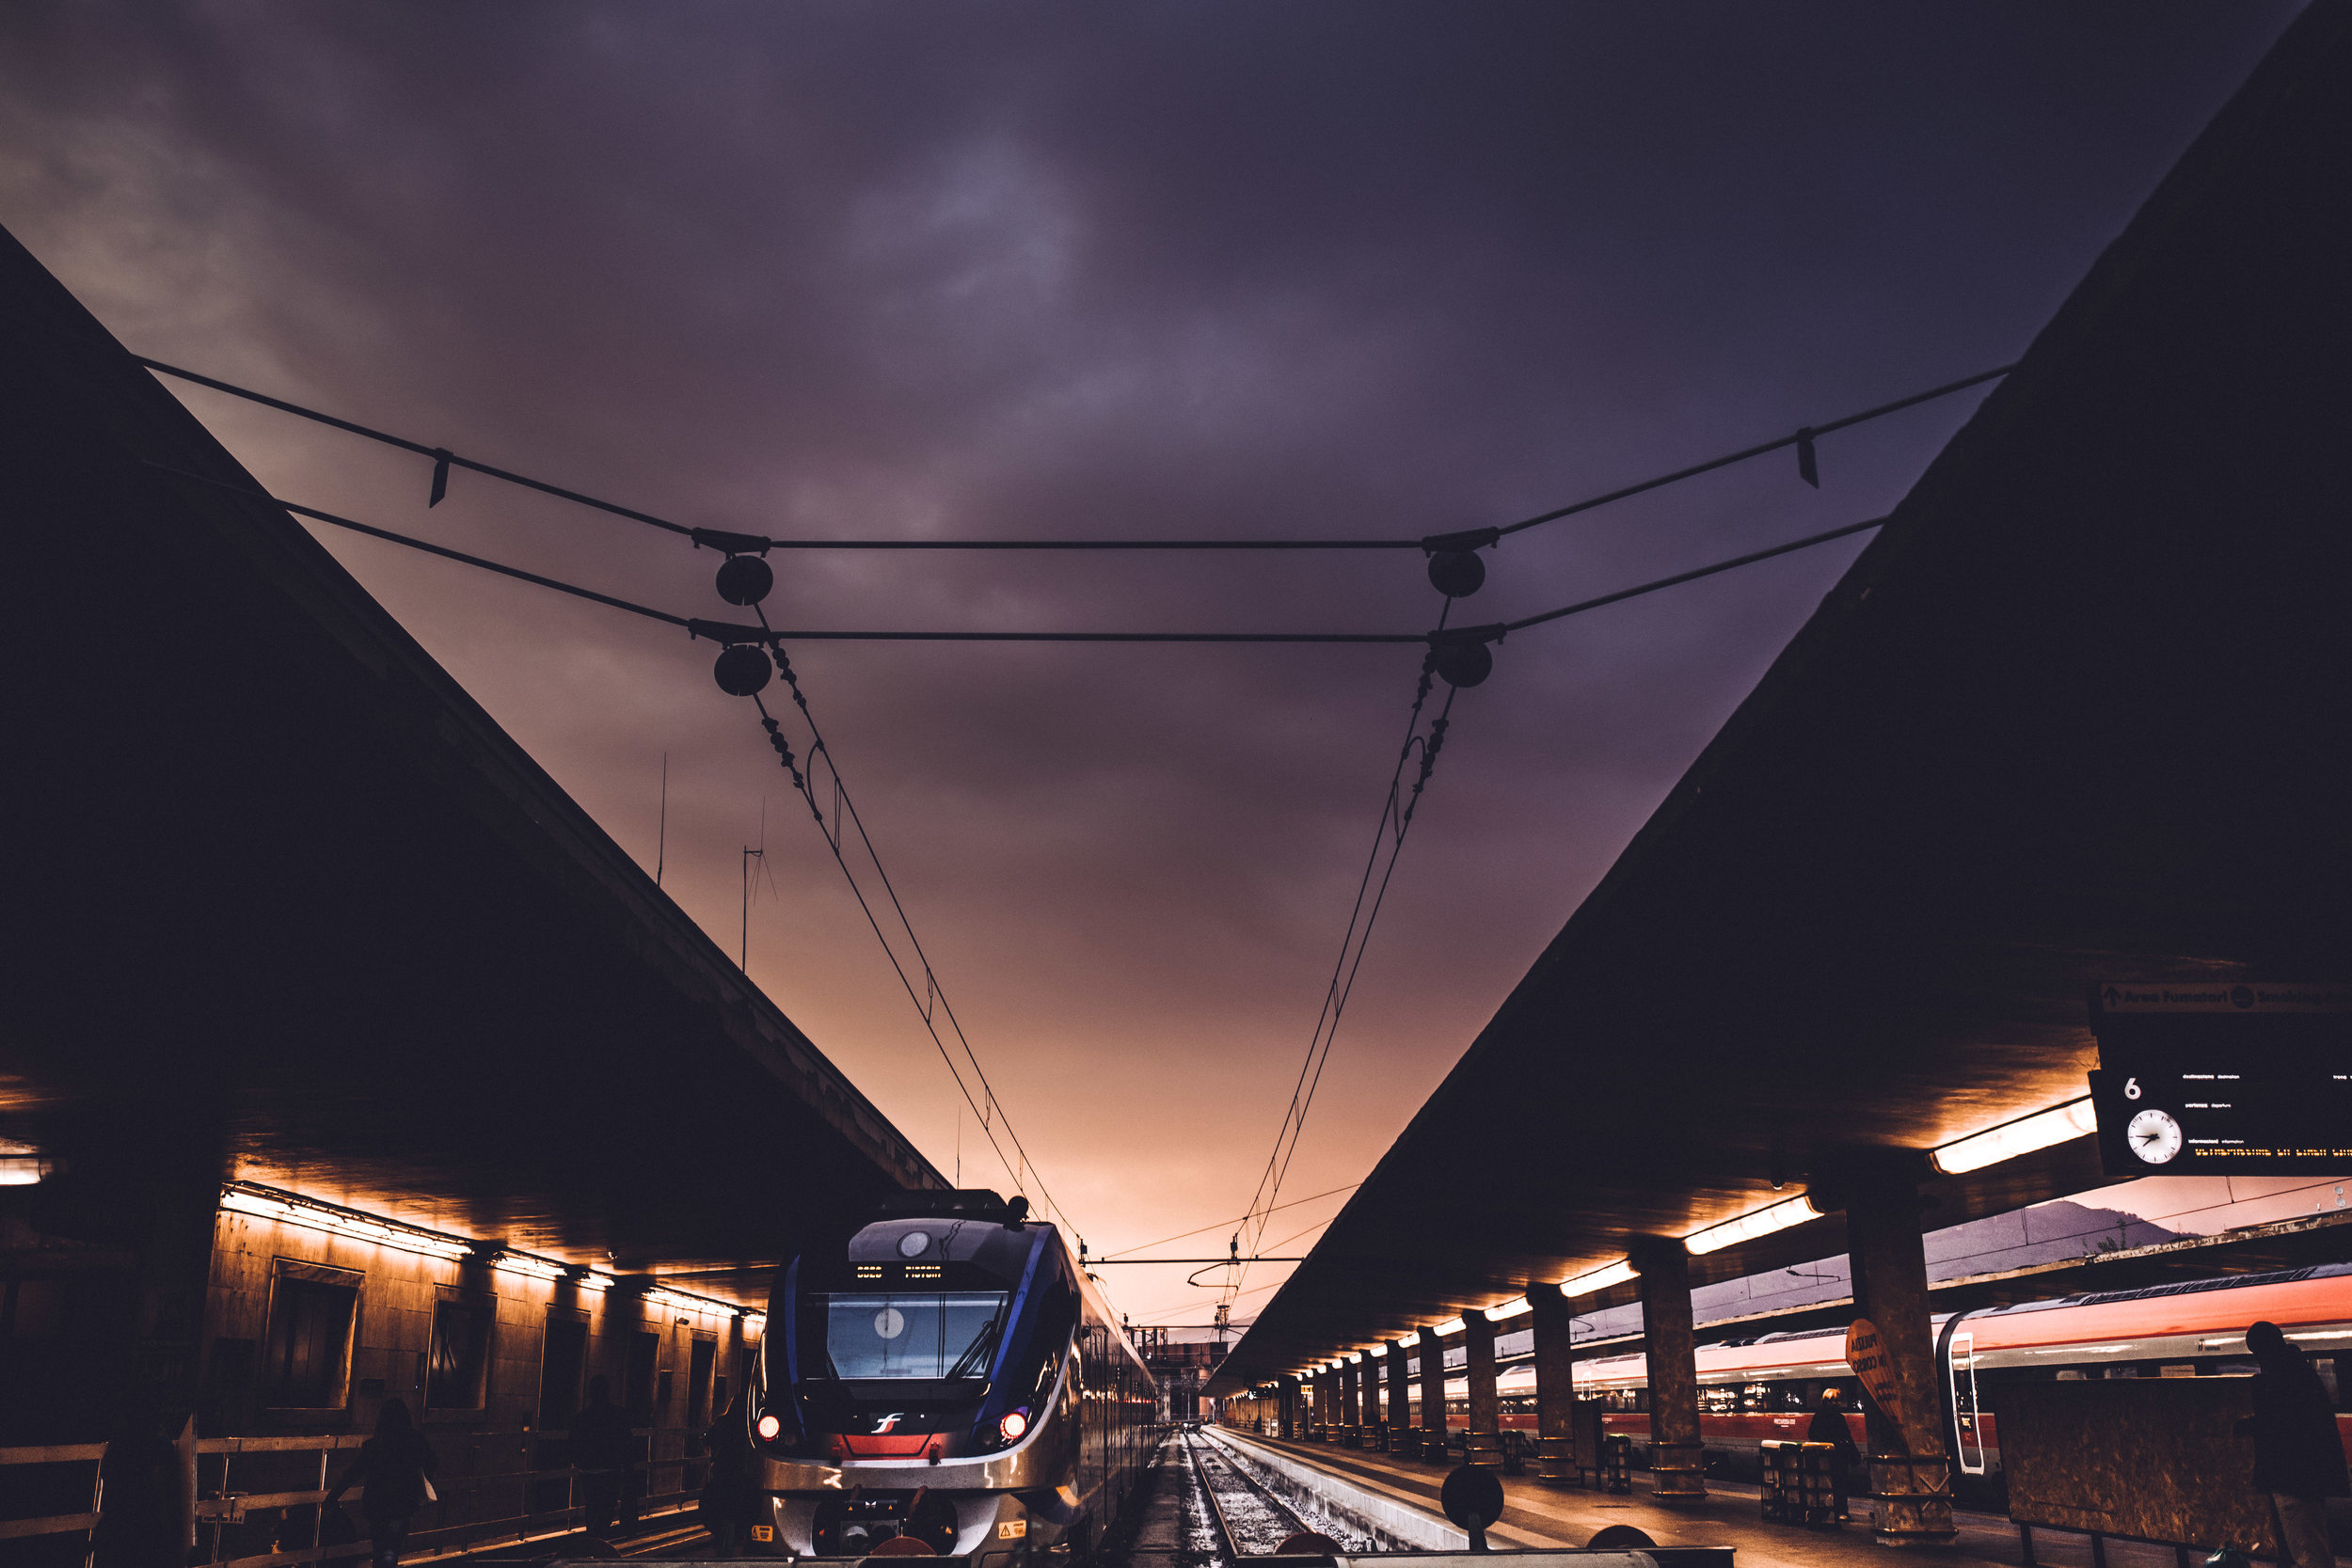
(1456, 574)
(745, 579)
(440, 478)
(1808, 469)
(1462, 658)
(741, 669)
(728, 542)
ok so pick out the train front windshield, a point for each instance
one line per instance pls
(902, 1334)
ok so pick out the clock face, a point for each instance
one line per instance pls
(2155, 1137)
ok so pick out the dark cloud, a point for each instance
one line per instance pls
(1035, 270)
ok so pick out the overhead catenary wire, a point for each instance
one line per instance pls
(444, 460)
(1026, 1172)
(1396, 821)
(772, 637)
(1201, 1230)
(729, 632)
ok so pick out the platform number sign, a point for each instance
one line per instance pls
(2212, 1078)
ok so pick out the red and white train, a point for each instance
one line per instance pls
(1768, 1387)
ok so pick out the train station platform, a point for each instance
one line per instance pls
(1538, 1515)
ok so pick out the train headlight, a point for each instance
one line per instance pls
(769, 1426)
(1014, 1425)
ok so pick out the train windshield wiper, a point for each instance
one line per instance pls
(967, 1365)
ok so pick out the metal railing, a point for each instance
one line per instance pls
(517, 1487)
(91, 1454)
(506, 1487)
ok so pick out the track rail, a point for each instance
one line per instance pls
(1217, 1509)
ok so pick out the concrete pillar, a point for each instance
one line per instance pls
(1677, 1458)
(1909, 1467)
(1484, 1446)
(1351, 1402)
(1400, 1400)
(1555, 1387)
(1432, 1396)
(1286, 1400)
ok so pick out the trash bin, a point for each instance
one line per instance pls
(1616, 1463)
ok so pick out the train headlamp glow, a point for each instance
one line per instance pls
(1748, 1227)
(2010, 1139)
(770, 1428)
(1014, 1425)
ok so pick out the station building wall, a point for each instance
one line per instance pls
(308, 1332)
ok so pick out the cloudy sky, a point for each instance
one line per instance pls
(1024, 270)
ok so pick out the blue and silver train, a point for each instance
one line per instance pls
(949, 1382)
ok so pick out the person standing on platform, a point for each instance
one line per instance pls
(140, 1525)
(601, 1450)
(1829, 1426)
(2298, 1455)
(394, 1469)
(730, 1498)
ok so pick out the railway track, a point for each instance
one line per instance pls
(1248, 1519)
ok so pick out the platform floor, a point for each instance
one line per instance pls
(1538, 1514)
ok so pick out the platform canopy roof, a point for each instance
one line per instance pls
(289, 905)
(2081, 711)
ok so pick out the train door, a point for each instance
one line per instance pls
(1959, 1363)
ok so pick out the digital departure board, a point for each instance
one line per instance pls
(2199, 1080)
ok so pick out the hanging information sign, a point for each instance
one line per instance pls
(2211, 1078)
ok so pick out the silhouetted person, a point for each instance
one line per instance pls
(1829, 1426)
(139, 1525)
(729, 1496)
(2298, 1456)
(602, 1447)
(394, 1470)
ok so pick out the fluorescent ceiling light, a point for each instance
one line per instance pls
(2012, 1138)
(1601, 1278)
(1748, 1227)
(293, 1209)
(1452, 1326)
(1511, 1308)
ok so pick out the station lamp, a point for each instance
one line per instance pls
(1748, 1227)
(20, 1164)
(2010, 1139)
(268, 1203)
(1619, 1272)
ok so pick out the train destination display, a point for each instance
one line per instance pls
(2197, 1078)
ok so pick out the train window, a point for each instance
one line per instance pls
(935, 1333)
